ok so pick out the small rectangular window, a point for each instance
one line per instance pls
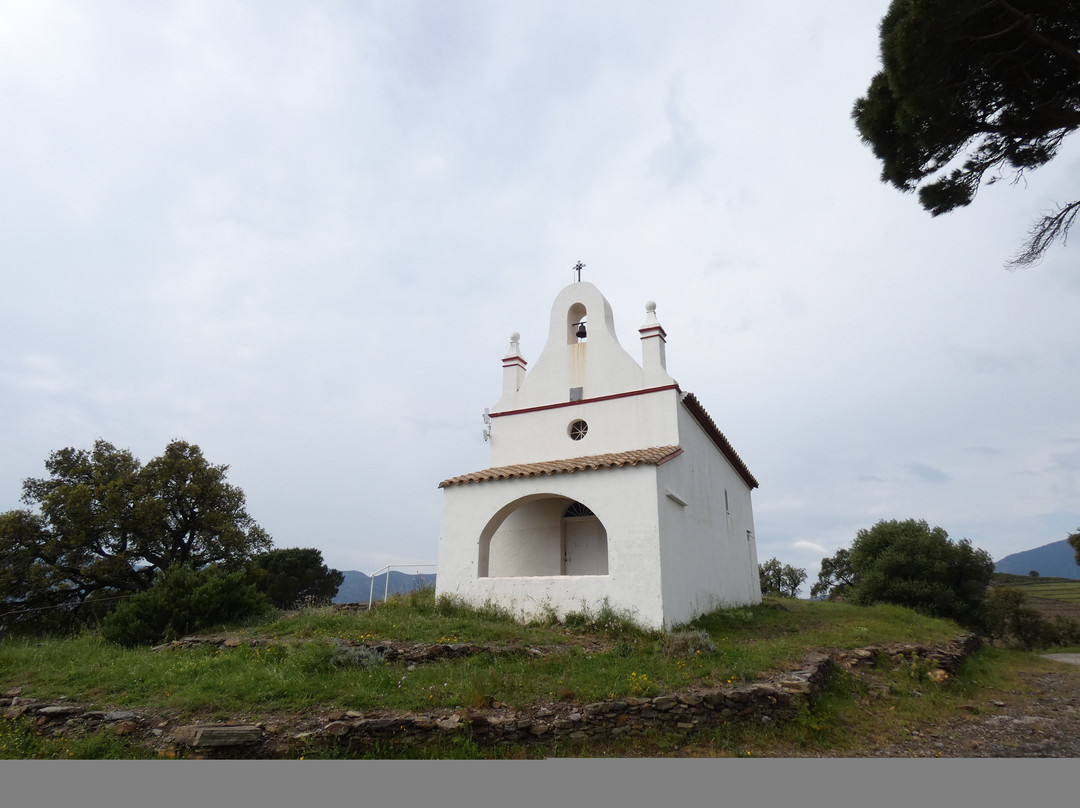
(727, 506)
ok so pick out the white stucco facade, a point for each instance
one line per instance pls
(606, 482)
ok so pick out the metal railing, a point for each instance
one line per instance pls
(399, 567)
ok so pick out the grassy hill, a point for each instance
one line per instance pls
(1067, 589)
(1051, 596)
(324, 660)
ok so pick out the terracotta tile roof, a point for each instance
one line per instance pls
(694, 407)
(653, 456)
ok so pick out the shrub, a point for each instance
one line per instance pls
(688, 643)
(319, 656)
(605, 620)
(183, 600)
(911, 564)
(293, 576)
(354, 656)
(1008, 617)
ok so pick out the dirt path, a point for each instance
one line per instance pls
(1072, 659)
(1043, 722)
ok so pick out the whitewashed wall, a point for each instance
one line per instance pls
(624, 499)
(706, 558)
(500, 541)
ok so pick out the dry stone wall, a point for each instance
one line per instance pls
(599, 721)
(682, 713)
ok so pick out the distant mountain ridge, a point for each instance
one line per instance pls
(357, 587)
(1054, 560)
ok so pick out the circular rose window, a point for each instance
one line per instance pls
(578, 430)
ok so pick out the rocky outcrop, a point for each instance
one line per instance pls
(63, 719)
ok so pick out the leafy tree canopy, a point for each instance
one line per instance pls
(103, 524)
(1074, 542)
(295, 575)
(783, 580)
(836, 575)
(911, 564)
(969, 87)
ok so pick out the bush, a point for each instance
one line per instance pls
(1009, 618)
(605, 620)
(294, 576)
(320, 656)
(911, 564)
(688, 643)
(181, 601)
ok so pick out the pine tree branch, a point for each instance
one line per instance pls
(1045, 232)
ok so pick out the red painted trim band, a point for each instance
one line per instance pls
(587, 400)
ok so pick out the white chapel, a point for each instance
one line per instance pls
(607, 483)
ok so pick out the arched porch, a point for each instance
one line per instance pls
(543, 535)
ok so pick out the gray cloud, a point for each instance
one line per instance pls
(928, 473)
(300, 238)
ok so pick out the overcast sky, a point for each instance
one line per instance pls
(300, 234)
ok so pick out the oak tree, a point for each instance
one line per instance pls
(783, 580)
(835, 577)
(103, 525)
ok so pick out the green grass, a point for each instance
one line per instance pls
(416, 617)
(295, 671)
(856, 713)
(306, 666)
(1052, 588)
(20, 741)
(869, 709)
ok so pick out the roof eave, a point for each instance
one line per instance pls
(693, 406)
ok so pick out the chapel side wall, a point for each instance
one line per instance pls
(708, 562)
(623, 499)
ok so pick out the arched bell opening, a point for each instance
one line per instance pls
(575, 324)
(543, 535)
